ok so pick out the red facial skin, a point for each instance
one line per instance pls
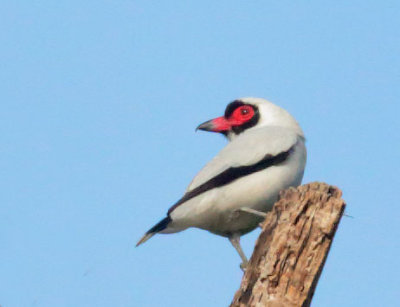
(240, 116)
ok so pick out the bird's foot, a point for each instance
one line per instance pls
(243, 266)
(235, 240)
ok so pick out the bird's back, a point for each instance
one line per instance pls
(255, 167)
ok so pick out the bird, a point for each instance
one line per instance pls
(231, 195)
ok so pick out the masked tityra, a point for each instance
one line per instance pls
(230, 195)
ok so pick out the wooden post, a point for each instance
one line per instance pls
(292, 248)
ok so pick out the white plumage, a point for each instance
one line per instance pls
(265, 155)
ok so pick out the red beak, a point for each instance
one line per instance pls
(219, 124)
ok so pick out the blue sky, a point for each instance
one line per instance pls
(99, 104)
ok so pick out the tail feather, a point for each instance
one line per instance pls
(161, 225)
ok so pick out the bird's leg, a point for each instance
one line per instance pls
(235, 240)
(254, 212)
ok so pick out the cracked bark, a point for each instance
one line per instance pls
(292, 248)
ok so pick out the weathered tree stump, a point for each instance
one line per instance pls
(292, 248)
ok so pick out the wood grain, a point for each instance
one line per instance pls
(292, 248)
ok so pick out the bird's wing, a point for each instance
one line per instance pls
(246, 154)
(246, 150)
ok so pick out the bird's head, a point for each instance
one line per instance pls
(250, 113)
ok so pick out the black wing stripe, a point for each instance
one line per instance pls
(231, 174)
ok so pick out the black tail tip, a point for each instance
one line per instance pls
(160, 226)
